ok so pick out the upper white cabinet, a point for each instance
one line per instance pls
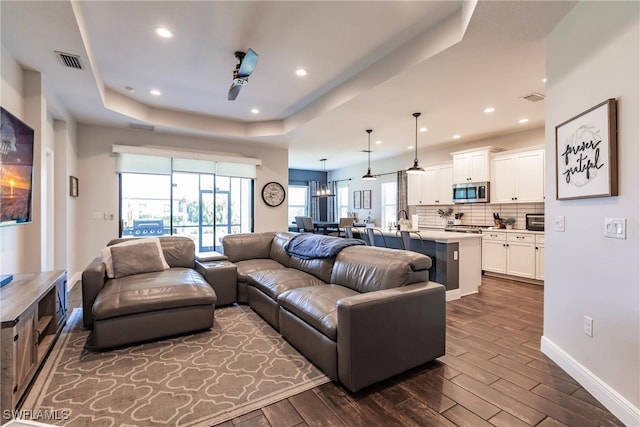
(471, 165)
(434, 187)
(518, 177)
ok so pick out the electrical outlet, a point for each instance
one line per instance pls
(559, 223)
(588, 326)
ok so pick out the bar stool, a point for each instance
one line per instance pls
(371, 232)
(405, 239)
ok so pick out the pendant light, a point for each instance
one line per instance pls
(416, 168)
(323, 192)
(368, 176)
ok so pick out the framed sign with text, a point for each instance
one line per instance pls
(586, 154)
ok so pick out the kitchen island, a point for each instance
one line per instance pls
(457, 257)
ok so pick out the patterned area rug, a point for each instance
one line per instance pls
(240, 365)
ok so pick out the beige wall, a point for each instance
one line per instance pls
(99, 183)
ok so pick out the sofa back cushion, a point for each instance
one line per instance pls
(178, 251)
(278, 248)
(243, 246)
(319, 267)
(367, 268)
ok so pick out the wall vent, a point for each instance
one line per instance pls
(139, 126)
(69, 60)
(533, 97)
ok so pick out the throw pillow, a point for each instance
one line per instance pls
(135, 259)
(105, 253)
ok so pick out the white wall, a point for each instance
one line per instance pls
(40, 244)
(99, 183)
(428, 156)
(593, 55)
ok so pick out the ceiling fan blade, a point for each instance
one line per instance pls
(248, 64)
(234, 90)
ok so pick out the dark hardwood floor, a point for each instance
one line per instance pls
(492, 375)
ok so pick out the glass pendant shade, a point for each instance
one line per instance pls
(416, 168)
(368, 176)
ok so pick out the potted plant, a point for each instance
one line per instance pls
(509, 222)
(445, 213)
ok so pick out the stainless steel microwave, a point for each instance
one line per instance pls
(471, 192)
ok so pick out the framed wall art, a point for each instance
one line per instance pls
(586, 154)
(73, 186)
(366, 199)
(357, 200)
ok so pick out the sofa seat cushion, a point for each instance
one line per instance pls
(142, 293)
(275, 282)
(251, 265)
(318, 306)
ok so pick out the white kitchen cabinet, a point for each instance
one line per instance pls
(518, 177)
(434, 187)
(510, 253)
(521, 255)
(494, 251)
(540, 257)
(471, 166)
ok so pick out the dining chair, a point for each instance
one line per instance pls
(342, 223)
(305, 224)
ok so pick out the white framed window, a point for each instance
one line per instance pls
(343, 200)
(388, 200)
(298, 198)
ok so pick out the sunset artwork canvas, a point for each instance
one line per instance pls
(16, 169)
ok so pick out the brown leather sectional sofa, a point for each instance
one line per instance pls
(363, 316)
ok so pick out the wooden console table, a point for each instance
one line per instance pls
(33, 310)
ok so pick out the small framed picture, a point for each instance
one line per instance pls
(357, 200)
(73, 186)
(366, 199)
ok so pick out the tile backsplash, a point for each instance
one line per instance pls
(477, 213)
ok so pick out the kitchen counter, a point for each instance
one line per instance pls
(457, 257)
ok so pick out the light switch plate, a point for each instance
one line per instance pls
(559, 223)
(615, 228)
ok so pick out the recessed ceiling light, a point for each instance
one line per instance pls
(456, 136)
(164, 32)
(523, 120)
(410, 147)
(255, 111)
(544, 80)
(378, 142)
(155, 92)
(301, 72)
(489, 110)
(423, 129)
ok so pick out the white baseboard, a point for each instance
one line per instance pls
(611, 399)
(453, 294)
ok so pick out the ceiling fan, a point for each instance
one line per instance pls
(246, 65)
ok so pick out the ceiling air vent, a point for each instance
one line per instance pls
(141, 127)
(69, 60)
(533, 97)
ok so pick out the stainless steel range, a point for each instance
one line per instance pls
(464, 228)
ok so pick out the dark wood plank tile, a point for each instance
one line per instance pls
(585, 396)
(313, 410)
(500, 349)
(501, 400)
(421, 414)
(504, 419)
(537, 375)
(543, 405)
(283, 413)
(464, 418)
(469, 369)
(500, 371)
(574, 404)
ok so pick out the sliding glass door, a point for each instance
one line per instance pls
(204, 207)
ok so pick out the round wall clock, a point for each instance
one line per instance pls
(273, 194)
